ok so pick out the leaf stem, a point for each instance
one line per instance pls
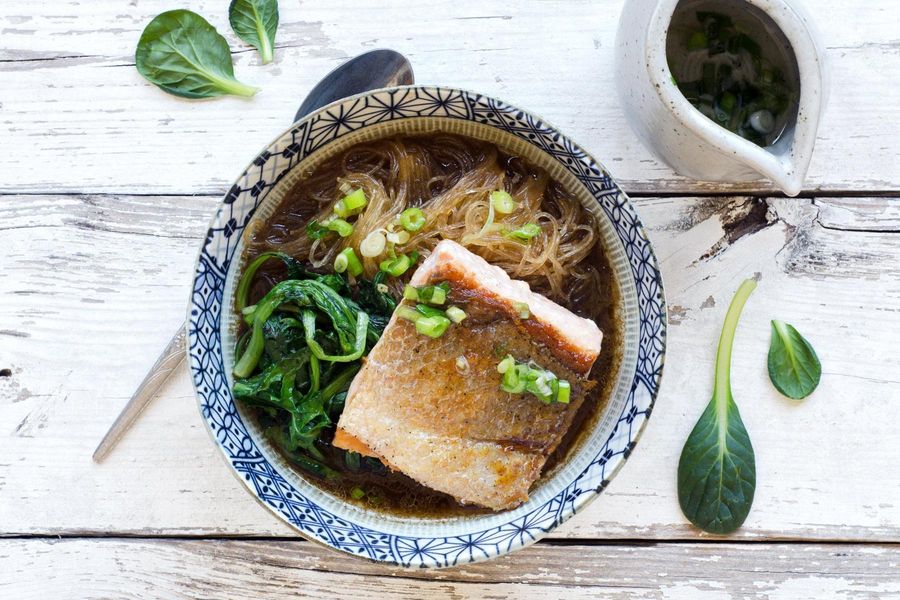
(265, 45)
(726, 341)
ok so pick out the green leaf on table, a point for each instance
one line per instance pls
(717, 469)
(255, 22)
(794, 368)
(183, 54)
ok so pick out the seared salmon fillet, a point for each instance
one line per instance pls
(453, 429)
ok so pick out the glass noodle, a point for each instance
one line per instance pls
(450, 179)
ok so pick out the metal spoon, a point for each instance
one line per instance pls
(372, 70)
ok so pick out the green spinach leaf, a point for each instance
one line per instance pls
(184, 55)
(717, 469)
(794, 368)
(255, 22)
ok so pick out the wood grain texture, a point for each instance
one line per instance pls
(120, 568)
(94, 285)
(75, 116)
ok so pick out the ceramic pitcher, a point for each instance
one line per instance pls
(690, 142)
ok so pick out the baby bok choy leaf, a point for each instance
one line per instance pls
(255, 22)
(183, 54)
(794, 368)
(717, 470)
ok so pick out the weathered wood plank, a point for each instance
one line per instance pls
(93, 286)
(77, 117)
(120, 568)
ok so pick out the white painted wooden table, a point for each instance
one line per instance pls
(106, 185)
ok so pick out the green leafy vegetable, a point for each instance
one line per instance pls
(255, 22)
(296, 362)
(794, 368)
(183, 54)
(717, 469)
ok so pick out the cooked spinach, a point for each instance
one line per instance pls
(255, 22)
(302, 348)
(183, 54)
(794, 368)
(717, 469)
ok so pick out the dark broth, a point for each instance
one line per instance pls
(396, 493)
(733, 63)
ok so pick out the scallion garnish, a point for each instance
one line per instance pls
(456, 314)
(429, 294)
(522, 310)
(396, 266)
(506, 364)
(348, 261)
(519, 378)
(398, 237)
(564, 391)
(373, 244)
(408, 313)
(357, 493)
(410, 293)
(433, 327)
(412, 219)
(525, 233)
(351, 204)
(462, 364)
(339, 226)
(428, 311)
(503, 203)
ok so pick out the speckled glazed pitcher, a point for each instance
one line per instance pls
(687, 140)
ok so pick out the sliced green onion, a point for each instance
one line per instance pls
(340, 263)
(434, 294)
(520, 378)
(398, 237)
(348, 261)
(564, 392)
(408, 313)
(357, 493)
(433, 327)
(412, 219)
(503, 203)
(410, 293)
(438, 296)
(373, 244)
(522, 310)
(382, 288)
(428, 311)
(396, 266)
(506, 364)
(462, 364)
(456, 314)
(526, 232)
(351, 204)
(339, 226)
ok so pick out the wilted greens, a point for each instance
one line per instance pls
(183, 54)
(302, 348)
(794, 368)
(717, 470)
(255, 22)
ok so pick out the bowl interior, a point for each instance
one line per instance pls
(589, 445)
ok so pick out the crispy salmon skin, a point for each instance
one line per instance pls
(453, 429)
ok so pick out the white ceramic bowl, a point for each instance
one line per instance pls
(423, 542)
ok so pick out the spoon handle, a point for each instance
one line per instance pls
(168, 361)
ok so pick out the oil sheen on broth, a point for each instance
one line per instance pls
(447, 160)
(734, 65)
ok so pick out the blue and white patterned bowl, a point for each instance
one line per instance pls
(421, 542)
